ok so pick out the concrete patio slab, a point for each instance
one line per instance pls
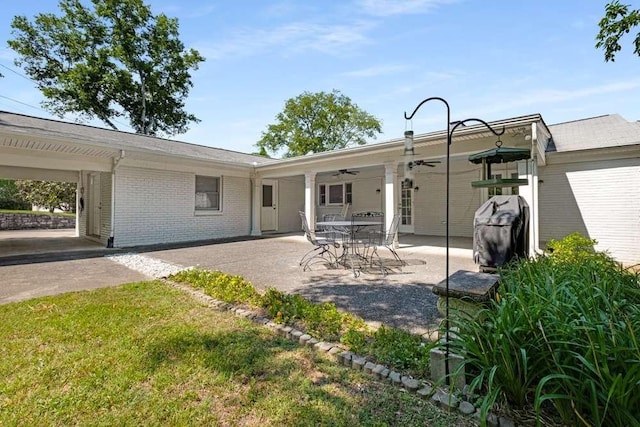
(402, 298)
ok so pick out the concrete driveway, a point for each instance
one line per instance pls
(402, 298)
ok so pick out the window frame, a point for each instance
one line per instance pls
(324, 193)
(208, 210)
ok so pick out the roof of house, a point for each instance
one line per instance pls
(18, 124)
(611, 130)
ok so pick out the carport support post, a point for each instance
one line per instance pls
(310, 198)
(79, 195)
(390, 182)
(256, 204)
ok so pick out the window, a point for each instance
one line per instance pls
(335, 194)
(207, 193)
(322, 195)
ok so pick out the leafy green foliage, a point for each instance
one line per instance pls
(399, 349)
(563, 332)
(316, 122)
(49, 194)
(221, 286)
(114, 60)
(10, 197)
(617, 21)
(575, 249)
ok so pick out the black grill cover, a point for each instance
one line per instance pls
(500, 231)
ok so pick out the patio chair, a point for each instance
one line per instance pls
(321, 251)
(367, 229)
(345, 211)
(389, 238)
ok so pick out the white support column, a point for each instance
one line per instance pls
(79, 195)
(390, 199)
(529, 170)
(256, 205)
(310, 199)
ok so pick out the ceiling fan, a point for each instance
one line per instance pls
(345, 172)
(430, 163)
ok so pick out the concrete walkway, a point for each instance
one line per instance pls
(402, 298)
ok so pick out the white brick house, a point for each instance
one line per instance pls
(135, 190)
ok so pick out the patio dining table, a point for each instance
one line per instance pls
(347, 234)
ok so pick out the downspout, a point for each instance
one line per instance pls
(116, 163)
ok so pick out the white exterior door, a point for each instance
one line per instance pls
(95, 206)
(269, 209)
(406, 209)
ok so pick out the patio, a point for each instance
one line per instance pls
(402, 298)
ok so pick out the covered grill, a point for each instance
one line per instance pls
(500, 231)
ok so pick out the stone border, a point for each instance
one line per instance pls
(340, 355)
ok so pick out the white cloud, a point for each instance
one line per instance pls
(291, 38)
(377, 70)
(400, 7)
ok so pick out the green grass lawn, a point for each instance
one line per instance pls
(147, 354)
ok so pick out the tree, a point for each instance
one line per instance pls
(50, 195)
(617, 21)
(10, 197)
(315, 122)
(113, 60)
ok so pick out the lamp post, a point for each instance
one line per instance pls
(450, 130)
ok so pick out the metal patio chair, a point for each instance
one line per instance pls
(367, 229)
(322, 247)
(387, 242)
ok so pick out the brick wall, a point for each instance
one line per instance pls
(32, 221)
(154, 206)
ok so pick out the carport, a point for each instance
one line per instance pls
(38, 151)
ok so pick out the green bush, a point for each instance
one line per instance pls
(562, 332)
(397, 348)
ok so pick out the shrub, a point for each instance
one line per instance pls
(563, 332)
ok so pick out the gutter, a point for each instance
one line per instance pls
(116, 163)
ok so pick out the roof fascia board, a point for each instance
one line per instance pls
(595, 154)
(432, 138)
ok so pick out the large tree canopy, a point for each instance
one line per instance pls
(109, 59)
(618, 20)
(315, 122)
(48, 194)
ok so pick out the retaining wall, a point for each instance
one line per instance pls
(38, 221)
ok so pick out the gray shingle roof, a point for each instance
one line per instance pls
(29, 126)
(597, 132)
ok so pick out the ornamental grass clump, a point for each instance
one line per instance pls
(562, 336)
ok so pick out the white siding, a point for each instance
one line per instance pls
(599, 199)
(430, 200)
(154, 206)
(290, 202)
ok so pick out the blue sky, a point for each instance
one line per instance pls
(489, 59)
